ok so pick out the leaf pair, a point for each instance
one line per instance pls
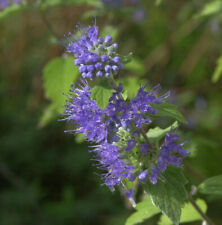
(167, 196)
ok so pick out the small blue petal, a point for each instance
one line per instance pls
(99, 74)
(108, 39)
(115, 68)
(99, 66)
(116, 59)
(108, 68)
(104, 58)
(130, 145)
(143, 177)
(82, 68)
(89, 75)
(100, 40)
(115, 45)
(90, 68)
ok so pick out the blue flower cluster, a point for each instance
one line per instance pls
(122, 149)
(116, 130)
(5, 3)
(171, 152)
(95, 56)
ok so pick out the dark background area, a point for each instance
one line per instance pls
(46, 176)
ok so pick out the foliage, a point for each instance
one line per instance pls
(212, 186)
(144, 210)
(101, 94)
(218, 70)
(188, 213)
(46, 176)
(170, 194)
(156, 134)
(58, 74)
(169, 110)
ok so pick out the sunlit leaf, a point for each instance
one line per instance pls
(11, 10)
(211, 8)
(101, 94)
(188, 214)
(131, 85)
(155, 134)
(170, 194)
(212, 186)
(218, 70)
(58, 75)
(144, 210)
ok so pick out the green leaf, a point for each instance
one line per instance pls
(11, 10)
(169, 110)
(212, 186)
(210, 8)
(79, 138)
(101, 93)
(170, 194)
(157, 133)
(125, 95)
(158, 2)
(189, 213)
(144, 210)
(218, 71)
(54, 3)
(131, 85)
(58, 75)
(136, 66)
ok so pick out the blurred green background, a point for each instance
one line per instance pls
(46, 176)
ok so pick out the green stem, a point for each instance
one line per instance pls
(146, 138)
(198, 209)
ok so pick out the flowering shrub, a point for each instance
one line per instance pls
(119, 130)
(131, 127)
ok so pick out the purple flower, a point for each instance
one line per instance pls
(143, 176)
(130, 145)
(130, 195)
(110, 160)
(112, 151)
(144, 148)
(154, 174)
(5, 3)
(83, 112)
(138, 111)
(95, 56)
(171, 152)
